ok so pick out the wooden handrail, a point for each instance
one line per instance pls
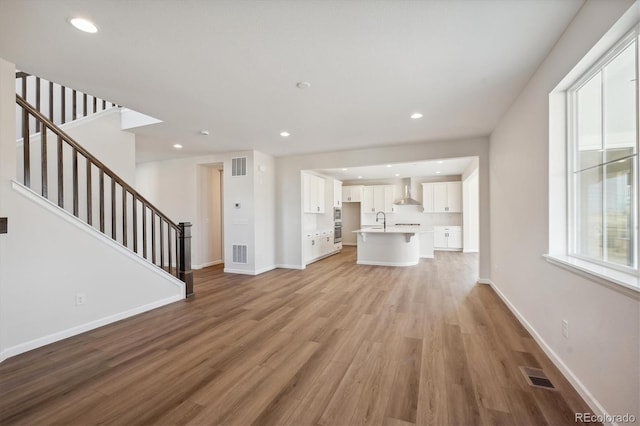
(180, 238)
(80, 150)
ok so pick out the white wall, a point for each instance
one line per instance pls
(7, 172)
(350, 222)
(48, 257)
(470, 216)
(602, 354)
(102, 136)
(288, 192)
(173, 187)
(265, 211)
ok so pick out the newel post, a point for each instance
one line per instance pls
(185, 273)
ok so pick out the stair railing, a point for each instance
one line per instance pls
(122, 213)
(58, 103)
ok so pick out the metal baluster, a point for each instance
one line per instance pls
(101, 184)
(135, 224)
(60, 174)
(113, 207)
(124, 216)
(144, 231)
(43, 162)
(26, 149)
(89, 195)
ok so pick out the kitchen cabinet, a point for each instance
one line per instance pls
(337, 193)
(442, 197)
(378, 198)
(313, 193)
(447, 237)
(326, 242)
(352, 194)
(311, 246)
(319, 244)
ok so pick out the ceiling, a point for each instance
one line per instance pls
(231, 67)
(444, 167)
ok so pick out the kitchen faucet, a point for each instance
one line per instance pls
(384, 219)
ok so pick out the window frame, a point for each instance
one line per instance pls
(572, 152)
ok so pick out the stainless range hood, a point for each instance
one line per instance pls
(406, 200)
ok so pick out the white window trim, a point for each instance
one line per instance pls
(571, 94)
(625, 280)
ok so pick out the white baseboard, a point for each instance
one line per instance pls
(593, 403)
(265, 269)
(250, 272)
(60, 335)
(470, 251)
(376, 263)
(206, 264)
(285, 266)
(238, 271)
(485, 281)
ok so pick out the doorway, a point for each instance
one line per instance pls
(210, 215)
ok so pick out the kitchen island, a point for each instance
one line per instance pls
(394, 246)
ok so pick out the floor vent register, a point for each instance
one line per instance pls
(537, 378)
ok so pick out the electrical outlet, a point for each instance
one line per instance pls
(565, 328)
(80, 299)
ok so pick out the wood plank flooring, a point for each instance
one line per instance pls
(335, 344)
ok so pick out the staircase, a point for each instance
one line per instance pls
(59, 169)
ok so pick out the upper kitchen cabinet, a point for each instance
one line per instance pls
(352, 194)
(378, 198)
(337, 193)
(313, 193)
(442, 197)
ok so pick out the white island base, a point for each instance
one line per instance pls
(393, 246)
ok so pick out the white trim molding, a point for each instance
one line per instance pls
(375, 263)
(249, 271)
(207, 264)
(285, 266)
(587, 396)
(623, 283)
(92, 325)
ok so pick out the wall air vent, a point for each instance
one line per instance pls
(239, 166)
(240, 253)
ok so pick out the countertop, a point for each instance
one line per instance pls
(396, 230)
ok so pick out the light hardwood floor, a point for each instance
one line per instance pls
(335, 344)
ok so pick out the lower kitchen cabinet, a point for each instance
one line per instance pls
(447, 238)
(319, 244)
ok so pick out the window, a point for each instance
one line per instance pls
(602, 157)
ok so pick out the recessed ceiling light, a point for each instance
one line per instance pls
(303, 85)
(397, 174)
(359, 177)
(437, 173)
(285, 134)
(440, 162)
(204, 132)
(416, 115)
(177, 146)
(84, 25)
(388, 165)
(344, 170)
